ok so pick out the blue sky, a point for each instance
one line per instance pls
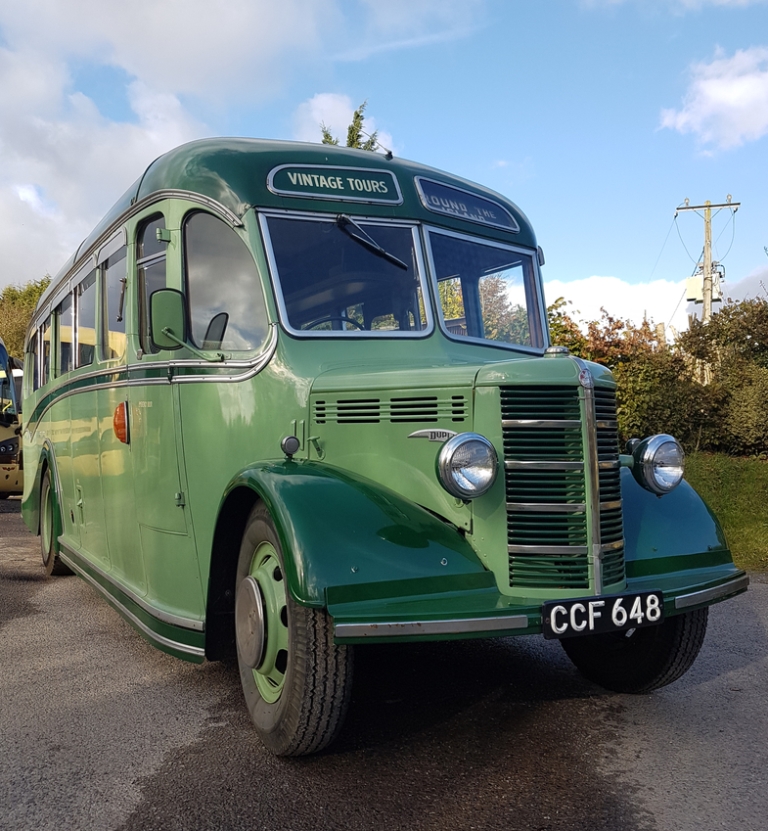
(596, 117)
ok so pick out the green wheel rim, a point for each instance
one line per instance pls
(266, 570)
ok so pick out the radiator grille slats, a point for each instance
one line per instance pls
(545, 470)
(419, 409)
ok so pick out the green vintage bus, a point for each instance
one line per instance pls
(11, 470)
(290, 398)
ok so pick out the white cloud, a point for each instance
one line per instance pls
(64, 163)
(727, 100)
(660, 301)
(335, 111)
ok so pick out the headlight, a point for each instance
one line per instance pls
(467, 465)
(659, 463)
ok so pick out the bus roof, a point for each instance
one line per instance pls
(238, 174)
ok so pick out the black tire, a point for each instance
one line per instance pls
(298, 695)
(642, 660)
(50, 529)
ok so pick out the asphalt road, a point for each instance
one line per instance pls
(100, 731)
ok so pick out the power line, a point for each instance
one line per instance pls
(653, 270)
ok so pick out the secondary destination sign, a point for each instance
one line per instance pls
(343, 184)
(451, 201)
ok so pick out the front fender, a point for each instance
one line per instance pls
(674, 532)
(346, 538)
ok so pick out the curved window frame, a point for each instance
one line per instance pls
(536, 287)
(233, 355)
(349, 334)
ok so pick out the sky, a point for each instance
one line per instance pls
(597, 117)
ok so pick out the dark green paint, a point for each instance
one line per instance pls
(340, 531)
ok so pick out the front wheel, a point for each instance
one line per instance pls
(50, 528)
(640, 660)
(296, 681)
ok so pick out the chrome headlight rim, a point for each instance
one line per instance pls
(645, 466)
(445, 469)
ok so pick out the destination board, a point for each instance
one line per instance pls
(451, 201)
(344, 184)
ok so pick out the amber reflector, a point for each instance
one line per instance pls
(120, 422)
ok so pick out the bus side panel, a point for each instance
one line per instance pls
(168, 546)
(86, 473)
(116, 467)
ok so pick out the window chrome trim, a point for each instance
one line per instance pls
(352, 336)
(540, 311)
(111, 246)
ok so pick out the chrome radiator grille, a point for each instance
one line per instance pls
(546, 488)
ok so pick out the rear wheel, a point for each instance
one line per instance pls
(50, 528)
(296, 681)
(640, 660)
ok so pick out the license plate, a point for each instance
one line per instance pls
(596, 615)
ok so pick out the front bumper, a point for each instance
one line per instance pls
(484, 612)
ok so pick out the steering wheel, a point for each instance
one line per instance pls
(328, 318)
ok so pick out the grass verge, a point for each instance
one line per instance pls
(737, 491)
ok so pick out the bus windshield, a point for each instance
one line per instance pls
(486, 291)
(341, 276)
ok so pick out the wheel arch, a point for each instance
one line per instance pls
(669, 533)
(337, 532)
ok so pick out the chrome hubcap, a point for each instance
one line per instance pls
(250, 623)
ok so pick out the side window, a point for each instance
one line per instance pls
(66, 334)
(150, 258)
(113, 334)
(45, 337)
(85, 297)
(33, 351)
(226, 304)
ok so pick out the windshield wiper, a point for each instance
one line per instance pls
(353, 230)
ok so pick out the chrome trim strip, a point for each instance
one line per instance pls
(563, 550)
(254, 368)
(547, 508)
(153, 636)
(694, 598)
(609, 465)
(514, 464)
(541, 423)
(611, 546)
(165, 617)
(610, 506)
(389, 629)
(591, 454)
(607, 425)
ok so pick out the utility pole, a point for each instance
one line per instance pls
(706, 312)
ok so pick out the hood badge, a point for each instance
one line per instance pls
(586, 380)
(433, 435)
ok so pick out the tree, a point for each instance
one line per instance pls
(17, 303)
(355, 133)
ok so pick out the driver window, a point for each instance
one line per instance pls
(226, 304)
